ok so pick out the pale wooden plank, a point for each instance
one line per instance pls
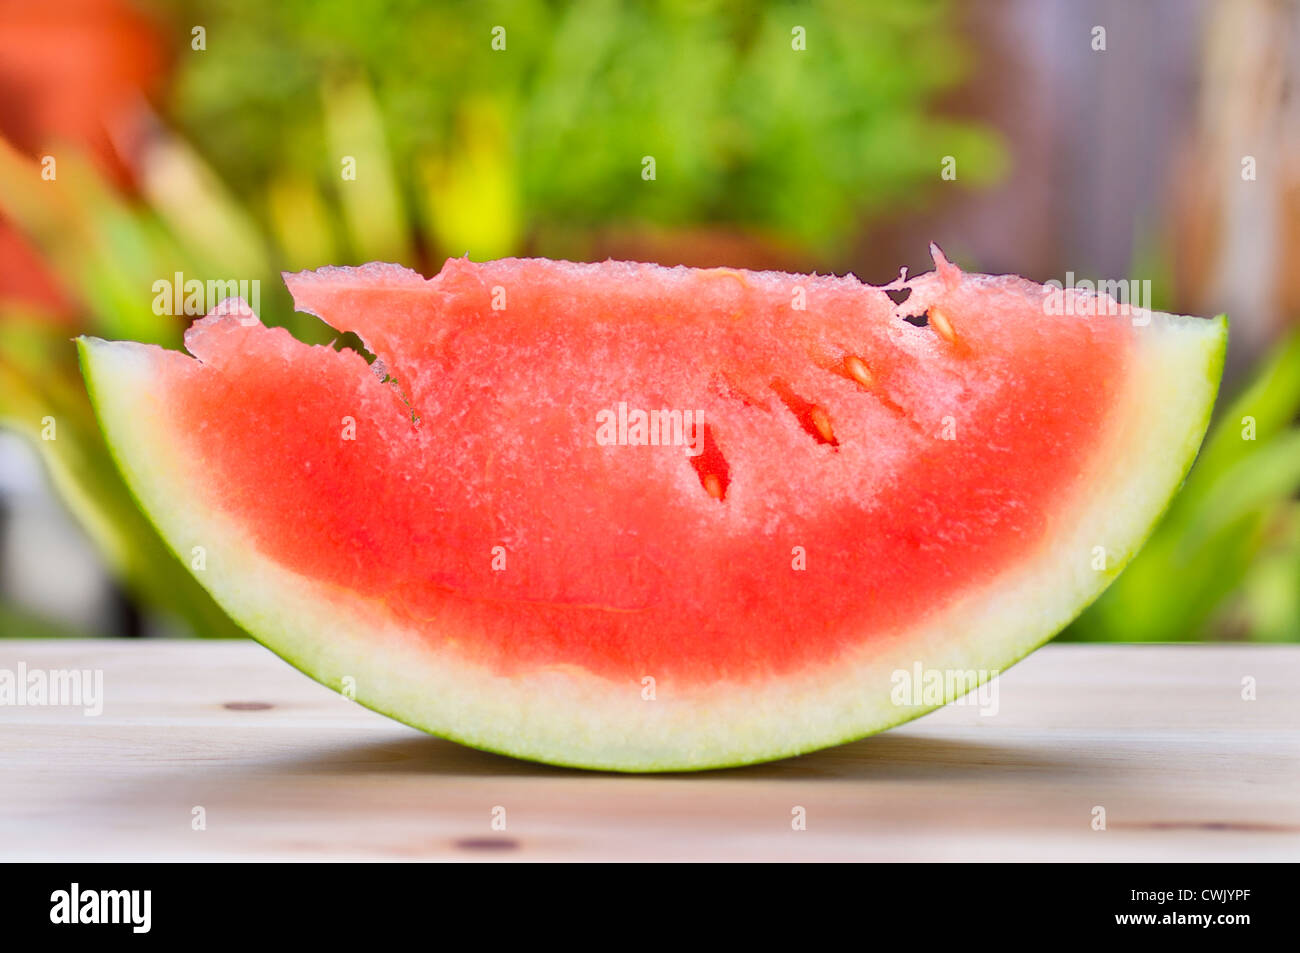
(1160, 736)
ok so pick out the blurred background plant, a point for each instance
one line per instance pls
(211, 139)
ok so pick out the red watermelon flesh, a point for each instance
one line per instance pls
(866, 466)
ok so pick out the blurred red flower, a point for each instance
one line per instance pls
(72, 72)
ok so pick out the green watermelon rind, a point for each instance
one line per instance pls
(262, 628)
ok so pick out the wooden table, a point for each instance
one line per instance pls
(282, 768)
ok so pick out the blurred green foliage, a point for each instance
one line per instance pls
(109, 252)
(1224, 563)
(498, 150)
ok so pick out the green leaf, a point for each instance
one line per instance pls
(199, 210)
(372, 204)
(471, 199)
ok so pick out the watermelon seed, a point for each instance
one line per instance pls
(858, 370)
(943, 325)
(822, 421)
(813, 418)
(729, 273)
(710, 465)
(917, 320)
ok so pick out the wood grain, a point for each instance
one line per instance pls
(284, 769)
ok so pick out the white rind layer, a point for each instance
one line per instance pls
(568, 716)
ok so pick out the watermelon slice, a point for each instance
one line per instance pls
(640, 518)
